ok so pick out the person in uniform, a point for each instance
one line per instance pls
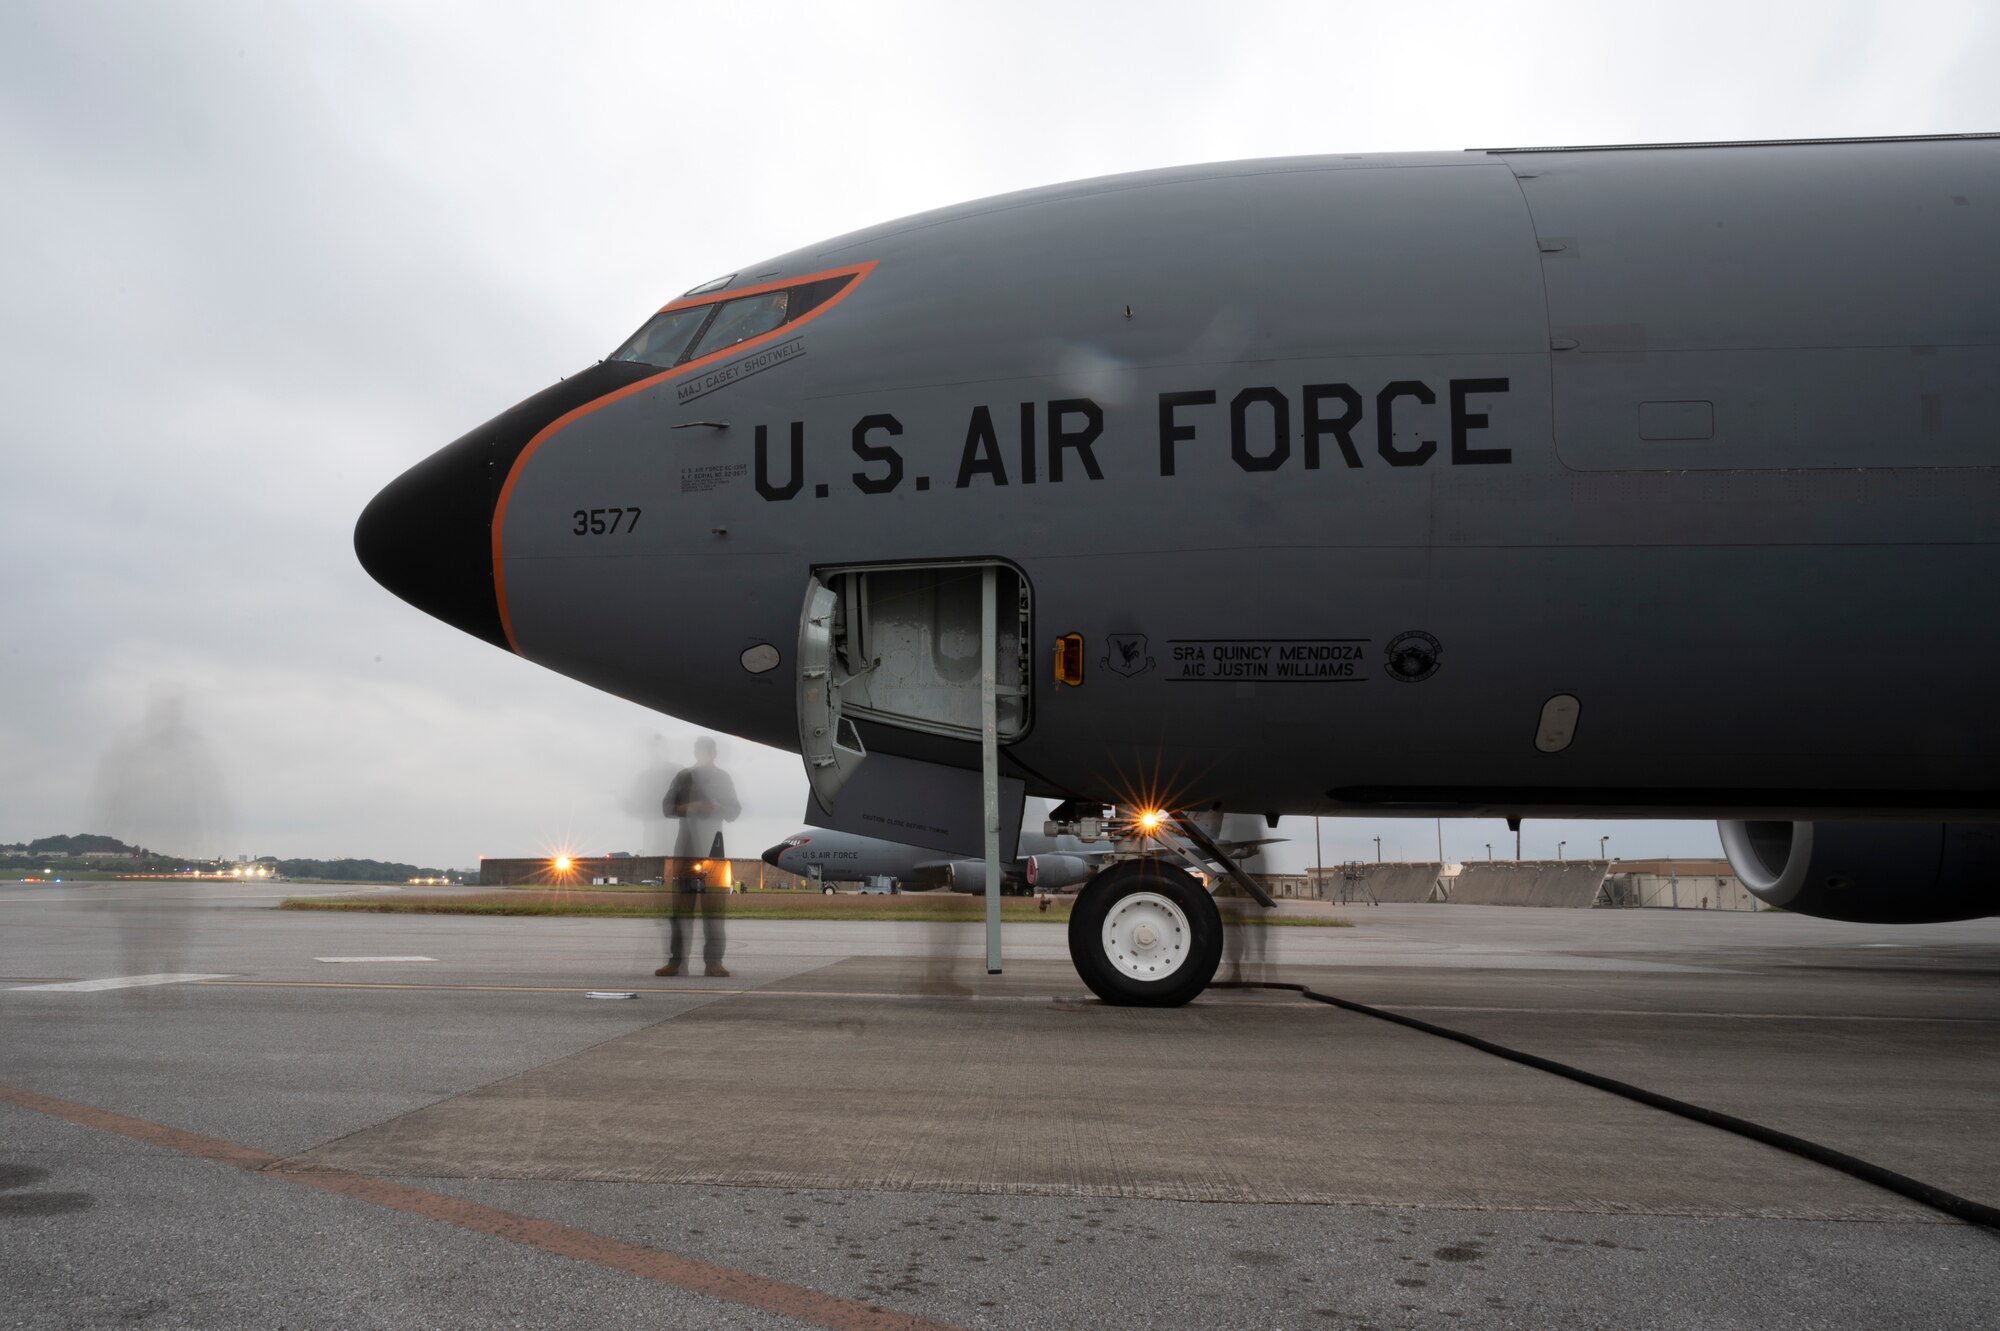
(702, 798)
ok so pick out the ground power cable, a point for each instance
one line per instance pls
(1959, 1208)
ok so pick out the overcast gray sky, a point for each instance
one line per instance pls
(261, 257)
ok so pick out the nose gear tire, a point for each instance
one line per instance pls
(1145, 934)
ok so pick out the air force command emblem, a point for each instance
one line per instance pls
(1128, 654)
(1413, 656)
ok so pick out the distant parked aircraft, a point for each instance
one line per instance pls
(1045, 863)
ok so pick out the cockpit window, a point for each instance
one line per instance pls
(713, 284)
(742, 319)
(664, 337)
(690, 332)
(812, 295)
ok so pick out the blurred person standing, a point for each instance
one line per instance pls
(656, 836)
(159, 787)
(1245, 935)
(703, 798)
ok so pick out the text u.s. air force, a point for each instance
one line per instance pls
(1056, 441)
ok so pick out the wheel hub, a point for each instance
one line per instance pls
(1146, 936)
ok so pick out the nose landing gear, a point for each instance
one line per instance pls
(1144, 933)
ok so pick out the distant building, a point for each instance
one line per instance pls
(1677, 885)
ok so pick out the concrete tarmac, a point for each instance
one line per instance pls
(859, 1119)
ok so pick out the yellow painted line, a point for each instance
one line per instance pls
(468, 988)
(1211, 999)
(859, 994)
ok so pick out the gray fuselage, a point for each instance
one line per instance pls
(1345, 470)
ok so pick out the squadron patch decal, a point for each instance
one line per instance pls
(1128, 654)
(1413, 657)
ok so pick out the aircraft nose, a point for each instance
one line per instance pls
(775, 854)
(428, 537)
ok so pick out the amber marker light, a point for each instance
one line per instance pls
(1149, 821)
(561, 864)
(1069, 660)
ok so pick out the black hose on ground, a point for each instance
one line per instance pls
(1959, 1208)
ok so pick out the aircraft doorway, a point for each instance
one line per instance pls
(901, 645)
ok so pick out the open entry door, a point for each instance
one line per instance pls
(900, 645)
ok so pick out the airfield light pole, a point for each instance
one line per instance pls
(1378, 850)
(1559, 851)
(1489, 852)
(1602, 842)
(989, 753)
(1440, 823)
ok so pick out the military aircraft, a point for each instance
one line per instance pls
(1654, 481)
(1040, 864)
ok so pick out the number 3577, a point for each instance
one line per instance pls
(603, 521)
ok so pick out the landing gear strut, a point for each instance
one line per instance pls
(1145, 934)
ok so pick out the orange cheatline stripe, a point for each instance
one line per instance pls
(775, 284)
(688, 1273)
(859, 272)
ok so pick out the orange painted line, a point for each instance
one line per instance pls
(139, 1129)
(688, 1273)
(776, 284)
(858, 271)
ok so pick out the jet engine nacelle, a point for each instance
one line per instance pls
(1870, 873)
(1050, 873)
(970, 876)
